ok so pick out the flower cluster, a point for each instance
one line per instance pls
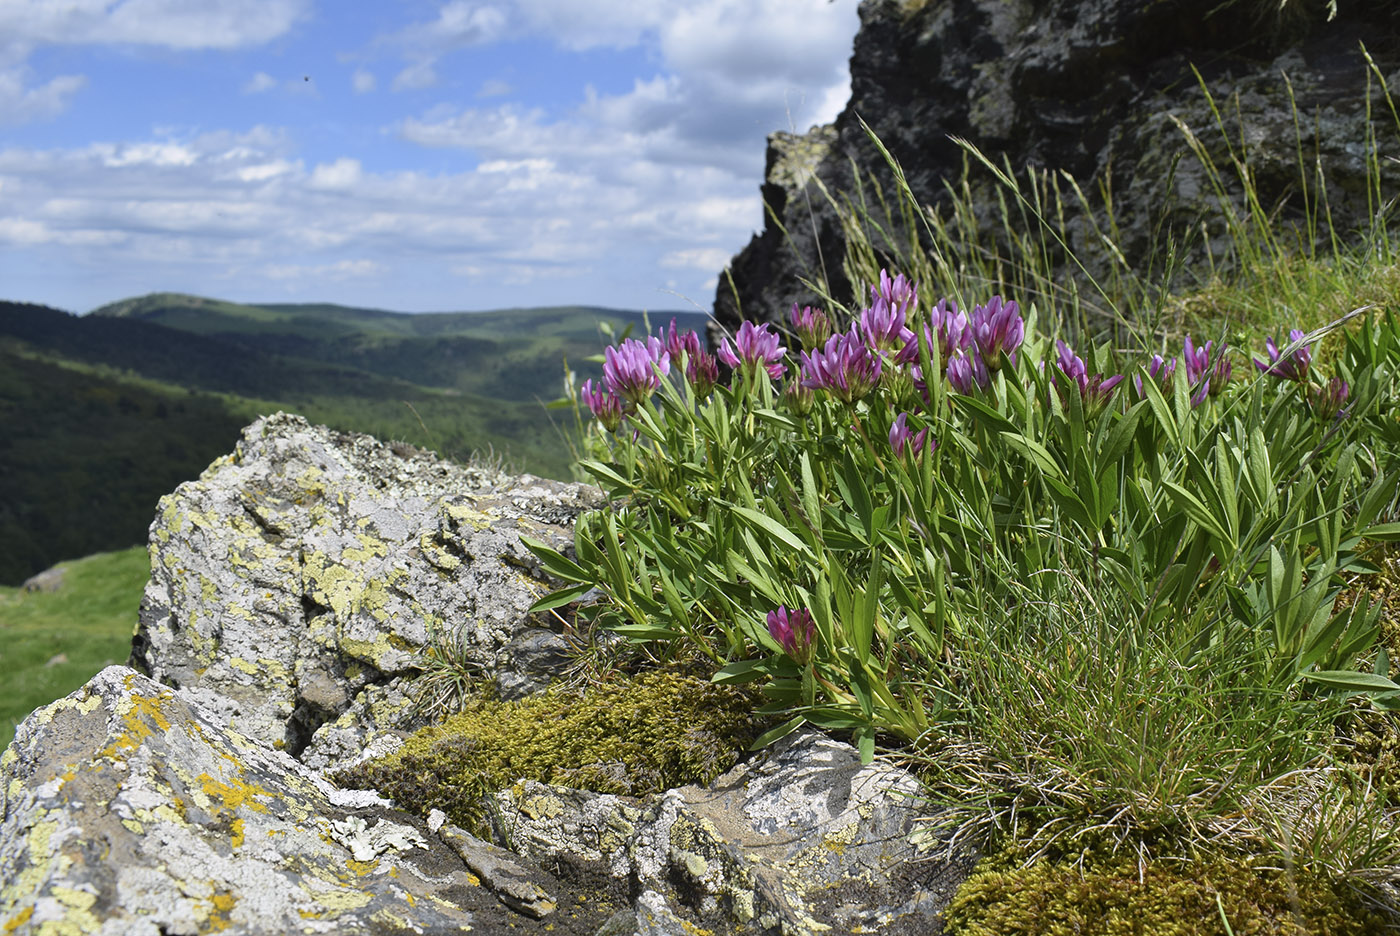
(812, 326)
(794, 631)
(1162, 372)
(903, 439)
(1291, 366)
(846, 367)
(1206, 374)
(1095, 391)
(883, 322)
(758, 347)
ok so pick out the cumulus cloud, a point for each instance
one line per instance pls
(610, 197)
(259, 83)
(180, 24)
(21, 103)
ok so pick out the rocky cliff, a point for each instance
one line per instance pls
(1099, 89)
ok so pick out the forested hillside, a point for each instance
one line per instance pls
(102, 414)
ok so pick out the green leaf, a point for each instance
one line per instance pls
(740, 672)
(1198, 511)
(604, 473)
(1383, 532)
(1038, 454)
(773, 528)
(778, 733)
(561, 597)
(811, 502)
(555, 562)
(860, 494)
(1352, 682)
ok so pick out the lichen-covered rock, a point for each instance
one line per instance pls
(299, 579)
(802, 840)
(129, 809)
(1094, 88)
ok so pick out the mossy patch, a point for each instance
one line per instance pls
(647, 734)
(1116, 897)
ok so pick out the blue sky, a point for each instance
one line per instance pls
(417, 155)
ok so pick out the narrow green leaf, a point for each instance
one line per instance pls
(561, 597)
(554, 562)
(1038, 454)
(778, 733)
(1352, 682)
(773, 528)
(740, 672)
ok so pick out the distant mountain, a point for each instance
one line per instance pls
(509, 354)
(103, 413)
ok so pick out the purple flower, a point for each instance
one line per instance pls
(884, 326)
(1162, 372)
(967, 373)
(949, 325)
(902, 439)
(997, 328)
(846, 367)
(1095, 391)
(794, 631)
(899, 293)
(677, 343)
(702, 370)
(634, 370)
(758, 347)
(812, 326)
(1294, 365)
(606, 407)
(1327, 401)
(1205, 376)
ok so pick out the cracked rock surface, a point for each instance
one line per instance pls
(802, 840)
(130, 809)
(297, 581)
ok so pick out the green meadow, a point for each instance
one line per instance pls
(51, 643)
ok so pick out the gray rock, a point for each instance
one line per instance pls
(521, 888)
(802, 840)
(129, 809)
(1092, 87)
(300, 579)
(49, 580)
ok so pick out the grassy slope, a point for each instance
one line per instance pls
(52, 643)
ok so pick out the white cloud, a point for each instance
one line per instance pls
(707, 259)
(341, 174)
(364, 81)
(21, 104)
(344, 269)
(418, 75)
(180, 24)
(259, 83)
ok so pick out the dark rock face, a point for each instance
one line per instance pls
(1092, 87)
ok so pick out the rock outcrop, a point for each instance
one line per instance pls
(1095, 88)
(295, 587)
(803, 840)
(299, 581)
(131, 808)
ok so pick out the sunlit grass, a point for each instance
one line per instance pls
(51, 643)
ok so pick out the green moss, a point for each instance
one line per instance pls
(650, 733)
(1114, 897)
